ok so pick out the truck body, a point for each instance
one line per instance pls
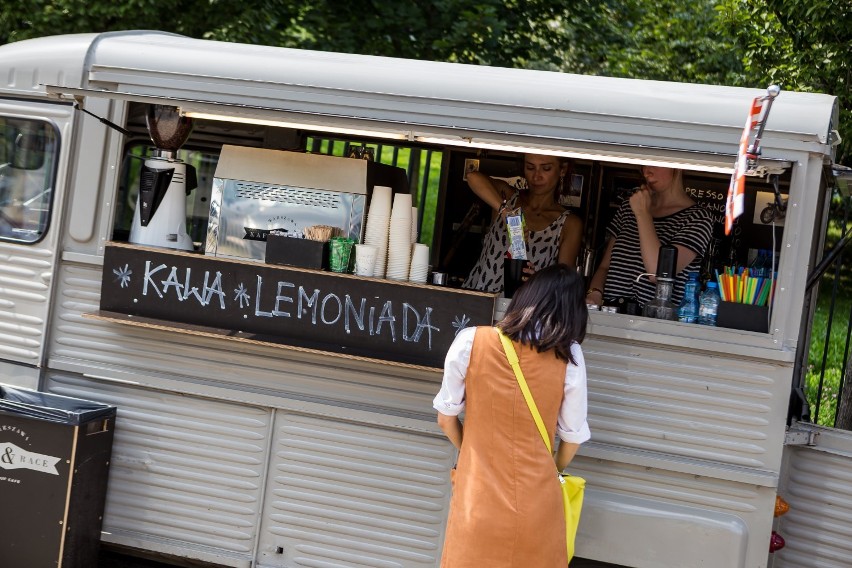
(244, 454)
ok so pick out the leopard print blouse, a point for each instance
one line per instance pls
(542, 250)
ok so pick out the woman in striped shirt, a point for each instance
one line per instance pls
(659, 213)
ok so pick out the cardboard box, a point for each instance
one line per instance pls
(291, 251)
(747, 317)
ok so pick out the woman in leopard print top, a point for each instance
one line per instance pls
(553, 234)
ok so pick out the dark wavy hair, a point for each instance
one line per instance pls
(549, 311)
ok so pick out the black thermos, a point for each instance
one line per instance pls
(661, 307)
(667, 262)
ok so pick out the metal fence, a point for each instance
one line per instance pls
(423, 166)
(826, 369)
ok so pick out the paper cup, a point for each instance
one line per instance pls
(414, 219)
(401, 205)
(419, 254)
(365, 259)
(380, 201)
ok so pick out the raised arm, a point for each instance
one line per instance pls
(491, 191)
(649, 242)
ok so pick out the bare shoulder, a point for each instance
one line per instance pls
(572, 223)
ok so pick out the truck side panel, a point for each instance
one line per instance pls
(186, 474)
(692, 445)
(27, 270)
(817, 485)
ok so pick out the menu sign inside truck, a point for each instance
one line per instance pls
(361, 317)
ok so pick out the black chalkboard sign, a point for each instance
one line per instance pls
(341, 313)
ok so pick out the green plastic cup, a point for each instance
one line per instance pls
(340, 249)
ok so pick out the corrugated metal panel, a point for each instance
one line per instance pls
(720, 408)
(27, 270)
(25, 276)
(723, 409)
(653, 518)
(345, 494)
(185, 470)
(82, 345)
(818, 526)
(667, 403)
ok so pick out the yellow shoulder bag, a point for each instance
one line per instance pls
(572, 486)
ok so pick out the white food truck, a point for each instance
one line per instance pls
(249, 448)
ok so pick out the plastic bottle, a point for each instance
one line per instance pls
(688, 310)
(708, 305)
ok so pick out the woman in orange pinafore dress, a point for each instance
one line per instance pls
(506, 509)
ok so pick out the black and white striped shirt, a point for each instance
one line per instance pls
(691, 228)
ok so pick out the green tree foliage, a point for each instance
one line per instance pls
(671, 40)
(802, 45)
(799, 44)
(493, 32)
(247, 21)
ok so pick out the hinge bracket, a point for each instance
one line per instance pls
(800, 438)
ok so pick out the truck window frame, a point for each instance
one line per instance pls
(36, 203)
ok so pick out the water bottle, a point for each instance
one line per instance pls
(688, 310)
(708, 305)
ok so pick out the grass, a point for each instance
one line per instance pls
(832, 346)
(830, 343)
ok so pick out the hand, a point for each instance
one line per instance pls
(594, 296)
(642, 201)
(528, 271)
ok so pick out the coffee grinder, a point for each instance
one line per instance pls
(164, 183)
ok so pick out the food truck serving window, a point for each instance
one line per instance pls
(28, 151)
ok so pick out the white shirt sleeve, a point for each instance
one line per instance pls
(450, 399)
(571, 425)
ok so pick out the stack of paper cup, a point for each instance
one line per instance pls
(399, 238)
(376, 231)
(414, 224)
(419, 263)
(365, 259)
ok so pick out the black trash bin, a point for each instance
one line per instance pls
(54, 461)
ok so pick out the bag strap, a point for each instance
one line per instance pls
(512, 356)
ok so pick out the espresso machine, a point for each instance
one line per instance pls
(164, 183)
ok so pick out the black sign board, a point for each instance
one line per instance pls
(341, 313)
